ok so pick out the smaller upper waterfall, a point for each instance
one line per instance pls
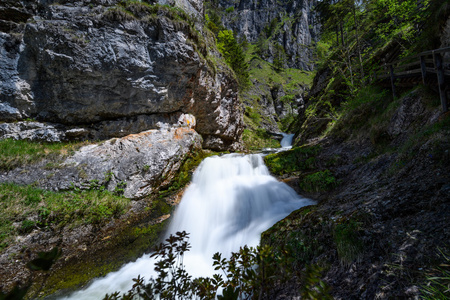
(286, 142)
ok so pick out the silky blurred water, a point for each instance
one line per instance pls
(231, 200)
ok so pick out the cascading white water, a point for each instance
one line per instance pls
(286, 142)
(231, 200)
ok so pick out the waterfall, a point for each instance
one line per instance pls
(231, 200)
(286, 142)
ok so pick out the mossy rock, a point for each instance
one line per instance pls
(109, 255)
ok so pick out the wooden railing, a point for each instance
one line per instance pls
(433, 67)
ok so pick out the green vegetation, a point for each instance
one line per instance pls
(138, 10)
(266, 82)
(321, 181)
(294, 160)
(37, 208)
(249, 272)
(258, 139)
(230, 9)
(438, 280)
(18, 153)
(129, 244)
(184, 174)
(234, 55)
(348, 245)
(356, 36)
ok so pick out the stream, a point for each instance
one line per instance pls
(231, 200)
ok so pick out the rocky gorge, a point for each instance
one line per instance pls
(140, 87)
(107, 107)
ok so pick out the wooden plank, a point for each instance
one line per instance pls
(415, 72)
(423, 68)
(414, 64)
(441, 50)
(441, 80)
(391, 69)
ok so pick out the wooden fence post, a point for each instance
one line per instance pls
(441, 81)
(391, 68)
(423, 66)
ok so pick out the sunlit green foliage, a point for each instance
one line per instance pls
(296, 159)
(247, 274)
(16, 153)
(37, 208)
(258, 139)
(357, 38)
(234, 55)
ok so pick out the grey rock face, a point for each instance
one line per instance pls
(137, 163)
(76, 67)
(33, 131)
(296, 21)
(408, 112)
(53, 132)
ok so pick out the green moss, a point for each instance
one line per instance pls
(321, 181)
(258, 139)
(185, 173)
(294, 160)
(130, 244)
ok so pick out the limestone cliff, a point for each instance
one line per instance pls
(91, 66)
(290, 24)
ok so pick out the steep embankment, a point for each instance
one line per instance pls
(382, 180)
(379, 166)
(116, 101)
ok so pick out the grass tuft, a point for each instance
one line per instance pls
(348, 244)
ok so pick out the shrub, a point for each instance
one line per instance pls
(249, 273)
(234, 55)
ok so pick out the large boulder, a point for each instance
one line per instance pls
(136, 164)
